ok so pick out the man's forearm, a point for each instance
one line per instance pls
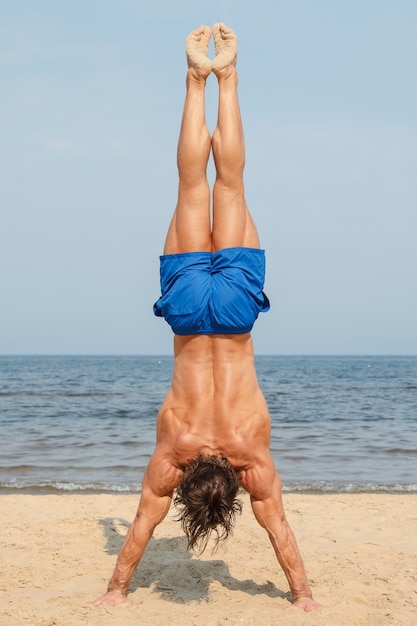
(289, 557)
(271, 517)
(152, 510)
(128, 559)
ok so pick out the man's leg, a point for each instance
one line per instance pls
(232, 223)
(190, 230)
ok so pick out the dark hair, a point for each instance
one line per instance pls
(206, 499)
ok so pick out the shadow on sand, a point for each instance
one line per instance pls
(175, 573)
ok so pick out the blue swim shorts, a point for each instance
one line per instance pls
(212, 293)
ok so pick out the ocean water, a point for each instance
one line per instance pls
(87, 423)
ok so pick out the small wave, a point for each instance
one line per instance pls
(319, 487)
(71, 487)
(339, 487)
(59, 394)
(401, 451)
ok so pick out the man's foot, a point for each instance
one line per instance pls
(196, 48)
(225, 46)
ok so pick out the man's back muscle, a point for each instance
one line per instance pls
(214, 405)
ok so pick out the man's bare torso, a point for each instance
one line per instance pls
(214, 405)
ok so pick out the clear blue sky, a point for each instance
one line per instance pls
(91, 99)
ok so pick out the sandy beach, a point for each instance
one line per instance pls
(58, 552)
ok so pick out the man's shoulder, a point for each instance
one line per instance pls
(162, 474)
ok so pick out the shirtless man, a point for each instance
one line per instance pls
(213, 430)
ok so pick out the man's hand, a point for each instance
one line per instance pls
(307, 604)
(112, 598)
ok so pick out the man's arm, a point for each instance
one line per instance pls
(264, 486)
(152, 509)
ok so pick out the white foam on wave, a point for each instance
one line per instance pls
(45, 487)
(289, 487)
(339, 487)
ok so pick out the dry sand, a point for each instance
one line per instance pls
(58, 552)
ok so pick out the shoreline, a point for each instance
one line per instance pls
(300, 489)
(58, 554)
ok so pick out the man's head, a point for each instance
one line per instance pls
(206, 498)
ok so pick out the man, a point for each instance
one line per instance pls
(213, 430)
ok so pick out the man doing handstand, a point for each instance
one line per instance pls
(213, 430)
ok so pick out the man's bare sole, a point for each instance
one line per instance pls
(225, 46)
(196, 48)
